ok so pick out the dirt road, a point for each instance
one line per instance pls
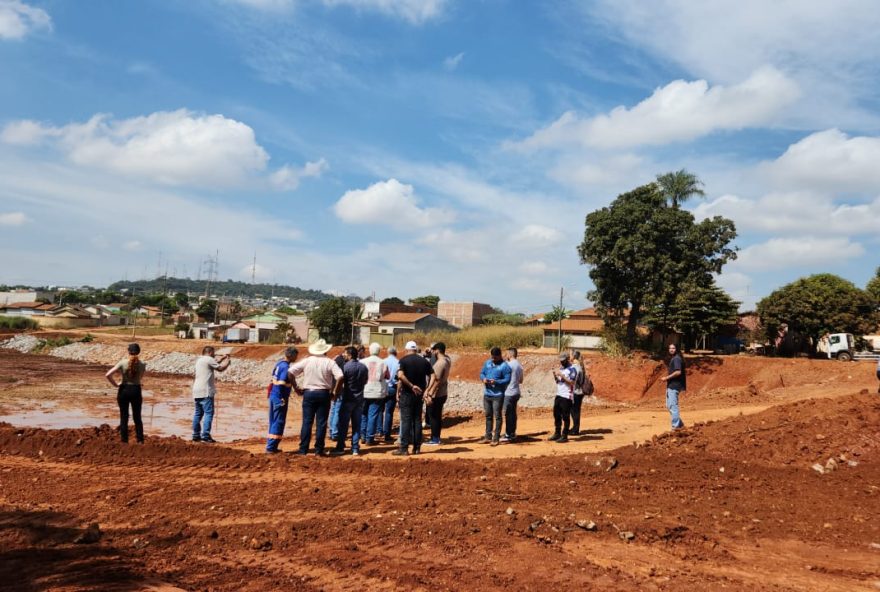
(733, 504)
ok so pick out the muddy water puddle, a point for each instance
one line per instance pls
(164, 414)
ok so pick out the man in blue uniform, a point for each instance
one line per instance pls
(279, 395)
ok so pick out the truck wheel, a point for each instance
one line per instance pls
(844, 356)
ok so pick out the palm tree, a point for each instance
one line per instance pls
(679, 186)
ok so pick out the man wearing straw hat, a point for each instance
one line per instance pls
(321, 382)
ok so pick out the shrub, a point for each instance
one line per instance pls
(18, 323)
(50, 343)
(88, 338)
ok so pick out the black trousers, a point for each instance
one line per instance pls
(561, 414)
(435, 416)
(576, 413)
(410, 420)
(130, 394)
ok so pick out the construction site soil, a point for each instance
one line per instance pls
(774, 485)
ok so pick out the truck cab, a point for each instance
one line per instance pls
(837, 346)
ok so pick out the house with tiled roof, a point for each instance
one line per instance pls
(389, 326)
(581, 330)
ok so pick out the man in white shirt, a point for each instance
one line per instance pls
(564, 376)
(512, 395)
(203, 391)
(322, 380)
(375, 392)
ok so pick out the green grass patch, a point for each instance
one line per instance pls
(18, 323)
(483, 337)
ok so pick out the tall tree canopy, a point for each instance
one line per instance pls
(641, 251)
(430, 301)
(873, 287)
(680, 186)
(819, 304)
(701, 310)
(392, 300)
(333, 318)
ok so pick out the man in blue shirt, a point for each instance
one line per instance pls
(495, 377)
(351, 408)
(279, 395)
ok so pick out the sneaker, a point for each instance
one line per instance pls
(484, 440)
(337, 452)
(417, 451)
(273, 451)
(301, 452)
(400, 452)
(319, 453)
(562, 440)
(432, 443)
(495, 442)
(505, 438)
(389, 439)
(355, 453)
(574, 433)
(371, 442)
(209, 440)
(196, 438)
(554, 437)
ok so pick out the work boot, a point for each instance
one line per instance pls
(562, 440)
(400, 452)
(555, 437)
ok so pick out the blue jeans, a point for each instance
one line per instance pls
(672, 405)
(492, 409)
(390, 403)
(315, 409)
(510, 417)
(351, 411)
(204, 409)
(372, 418)
(277, 418)
(334, 417)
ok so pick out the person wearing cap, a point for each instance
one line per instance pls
(375, 392)
(413, 374)
(392, 363)
(565, 377)
(128, 391)
(279, 399)
(512, 395)
(321, 382)
(203, 391)
(437, 392)
(495, 377)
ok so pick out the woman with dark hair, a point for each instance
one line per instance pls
(128, 392)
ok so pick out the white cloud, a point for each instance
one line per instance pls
(12, 219)
(171, 147)
(288, 178)
(679, 111)
(388, 202)
(537, 235)
(414, 11)
(259, 272)
(828, 160)
(18, 19)
(534, 267)
(585, 171)
(795, 212)
(132, 245)
(739, 286)
(451, 63)
(794, 253)
(827, 47)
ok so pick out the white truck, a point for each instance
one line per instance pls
(837, 346)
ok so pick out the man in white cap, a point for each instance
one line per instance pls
(321, 382)
(413, 374)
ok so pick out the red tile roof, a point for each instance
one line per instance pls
(403, 317)
(577, 326)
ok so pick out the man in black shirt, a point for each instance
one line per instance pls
(676, 381)
(413, 375)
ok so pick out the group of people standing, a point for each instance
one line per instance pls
(360, 392)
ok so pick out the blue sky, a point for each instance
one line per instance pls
(406, 147)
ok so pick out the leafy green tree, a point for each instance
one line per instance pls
(429, 301)
(556, 313)
(873, 287)
(699, 311)
(392, 300)
(181, 300)
(679, 186)
(332, 318)
(819, 304)
(207, 309)
(641, 251)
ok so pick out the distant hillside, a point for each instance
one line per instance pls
(230, 288)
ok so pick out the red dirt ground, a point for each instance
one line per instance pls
(731, 504)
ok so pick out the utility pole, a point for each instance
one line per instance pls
(164, 294)
(561, 314)
(254, 270)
